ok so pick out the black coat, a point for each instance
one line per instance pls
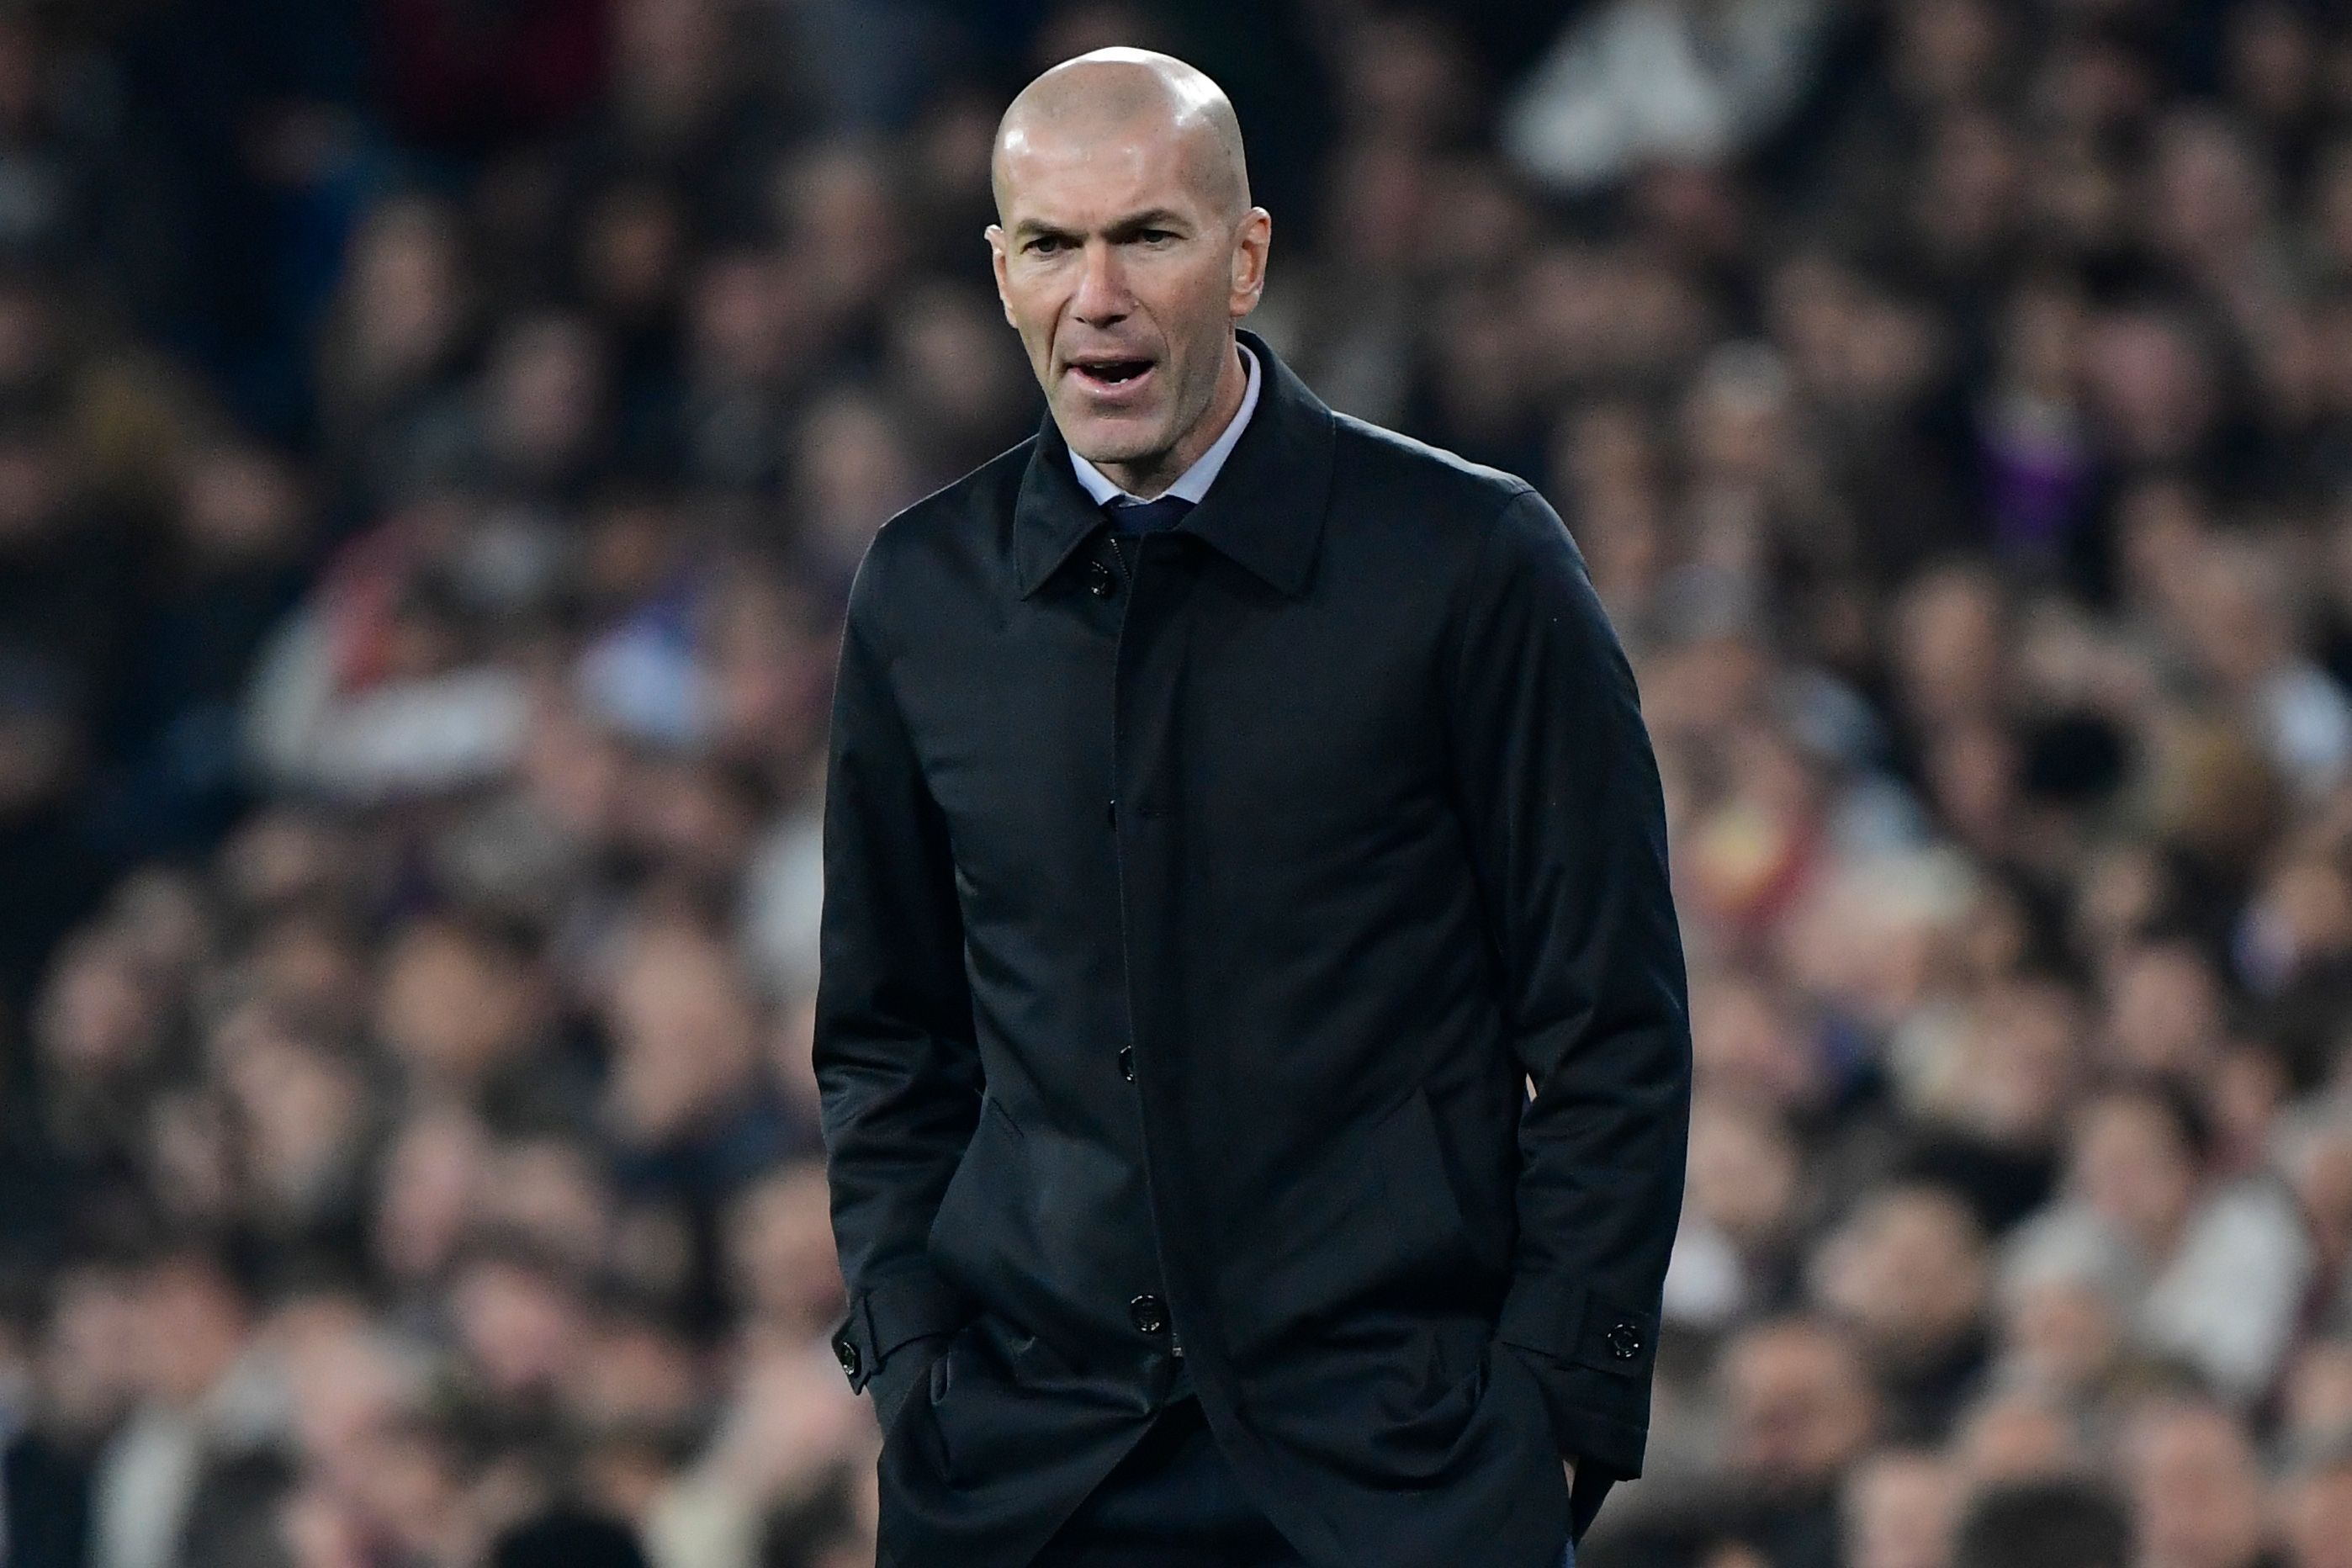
(1190, 936)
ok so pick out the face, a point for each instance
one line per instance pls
(1900, 1511)
(2197, 1490)
(2015, 1439)
(2318, 1520)
(1908, 1269)
(2062, 1332)
(1800, 1407)
(1124, 279)
(2130, 1167)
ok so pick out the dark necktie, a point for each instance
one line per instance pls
(1146, 517)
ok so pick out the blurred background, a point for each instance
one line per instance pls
(436, 437)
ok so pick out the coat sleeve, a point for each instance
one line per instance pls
(897, 1071)
(1560, 794)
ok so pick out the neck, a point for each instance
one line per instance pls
(1147, 477)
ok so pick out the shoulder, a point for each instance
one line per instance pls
(1419, 477)
(1484, 522)
(950, 512)
(956, 520)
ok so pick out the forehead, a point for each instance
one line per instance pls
(1084, 177)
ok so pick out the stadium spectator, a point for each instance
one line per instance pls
(431, 463)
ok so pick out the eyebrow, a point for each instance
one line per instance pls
(1125, 228)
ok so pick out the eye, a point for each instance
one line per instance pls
(1156, 236)
(1045, 245)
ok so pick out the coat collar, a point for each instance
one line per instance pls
(1264, 512)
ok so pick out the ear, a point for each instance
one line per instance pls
(996, 263)
(1251, 242)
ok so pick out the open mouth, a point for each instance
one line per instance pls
(1111, 373)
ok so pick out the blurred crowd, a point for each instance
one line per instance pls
(436, 437)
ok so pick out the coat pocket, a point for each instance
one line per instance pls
(1409, 1153)
(965, 1224)
(1377, 1228)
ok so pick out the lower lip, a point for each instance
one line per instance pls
(1114, 391)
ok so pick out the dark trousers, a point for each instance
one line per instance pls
(1172, 1502)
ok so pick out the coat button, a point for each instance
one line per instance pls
(1624, 1342)
(1149, 1314)
(1127, 1063)
(848, 1354)
(1099, 580)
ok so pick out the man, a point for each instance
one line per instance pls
(1800, 1412)
(2316, 1505)
(2195, 1483)
(1232, 808)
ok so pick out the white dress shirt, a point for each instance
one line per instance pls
(1195, 480)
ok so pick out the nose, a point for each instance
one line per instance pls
(1102, 299)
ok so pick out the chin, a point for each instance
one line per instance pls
(1101, 441)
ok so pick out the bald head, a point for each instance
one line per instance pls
(1122, 97)
(1125, 250)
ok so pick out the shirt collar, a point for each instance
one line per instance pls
(1268, 521)
(1195, 480)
